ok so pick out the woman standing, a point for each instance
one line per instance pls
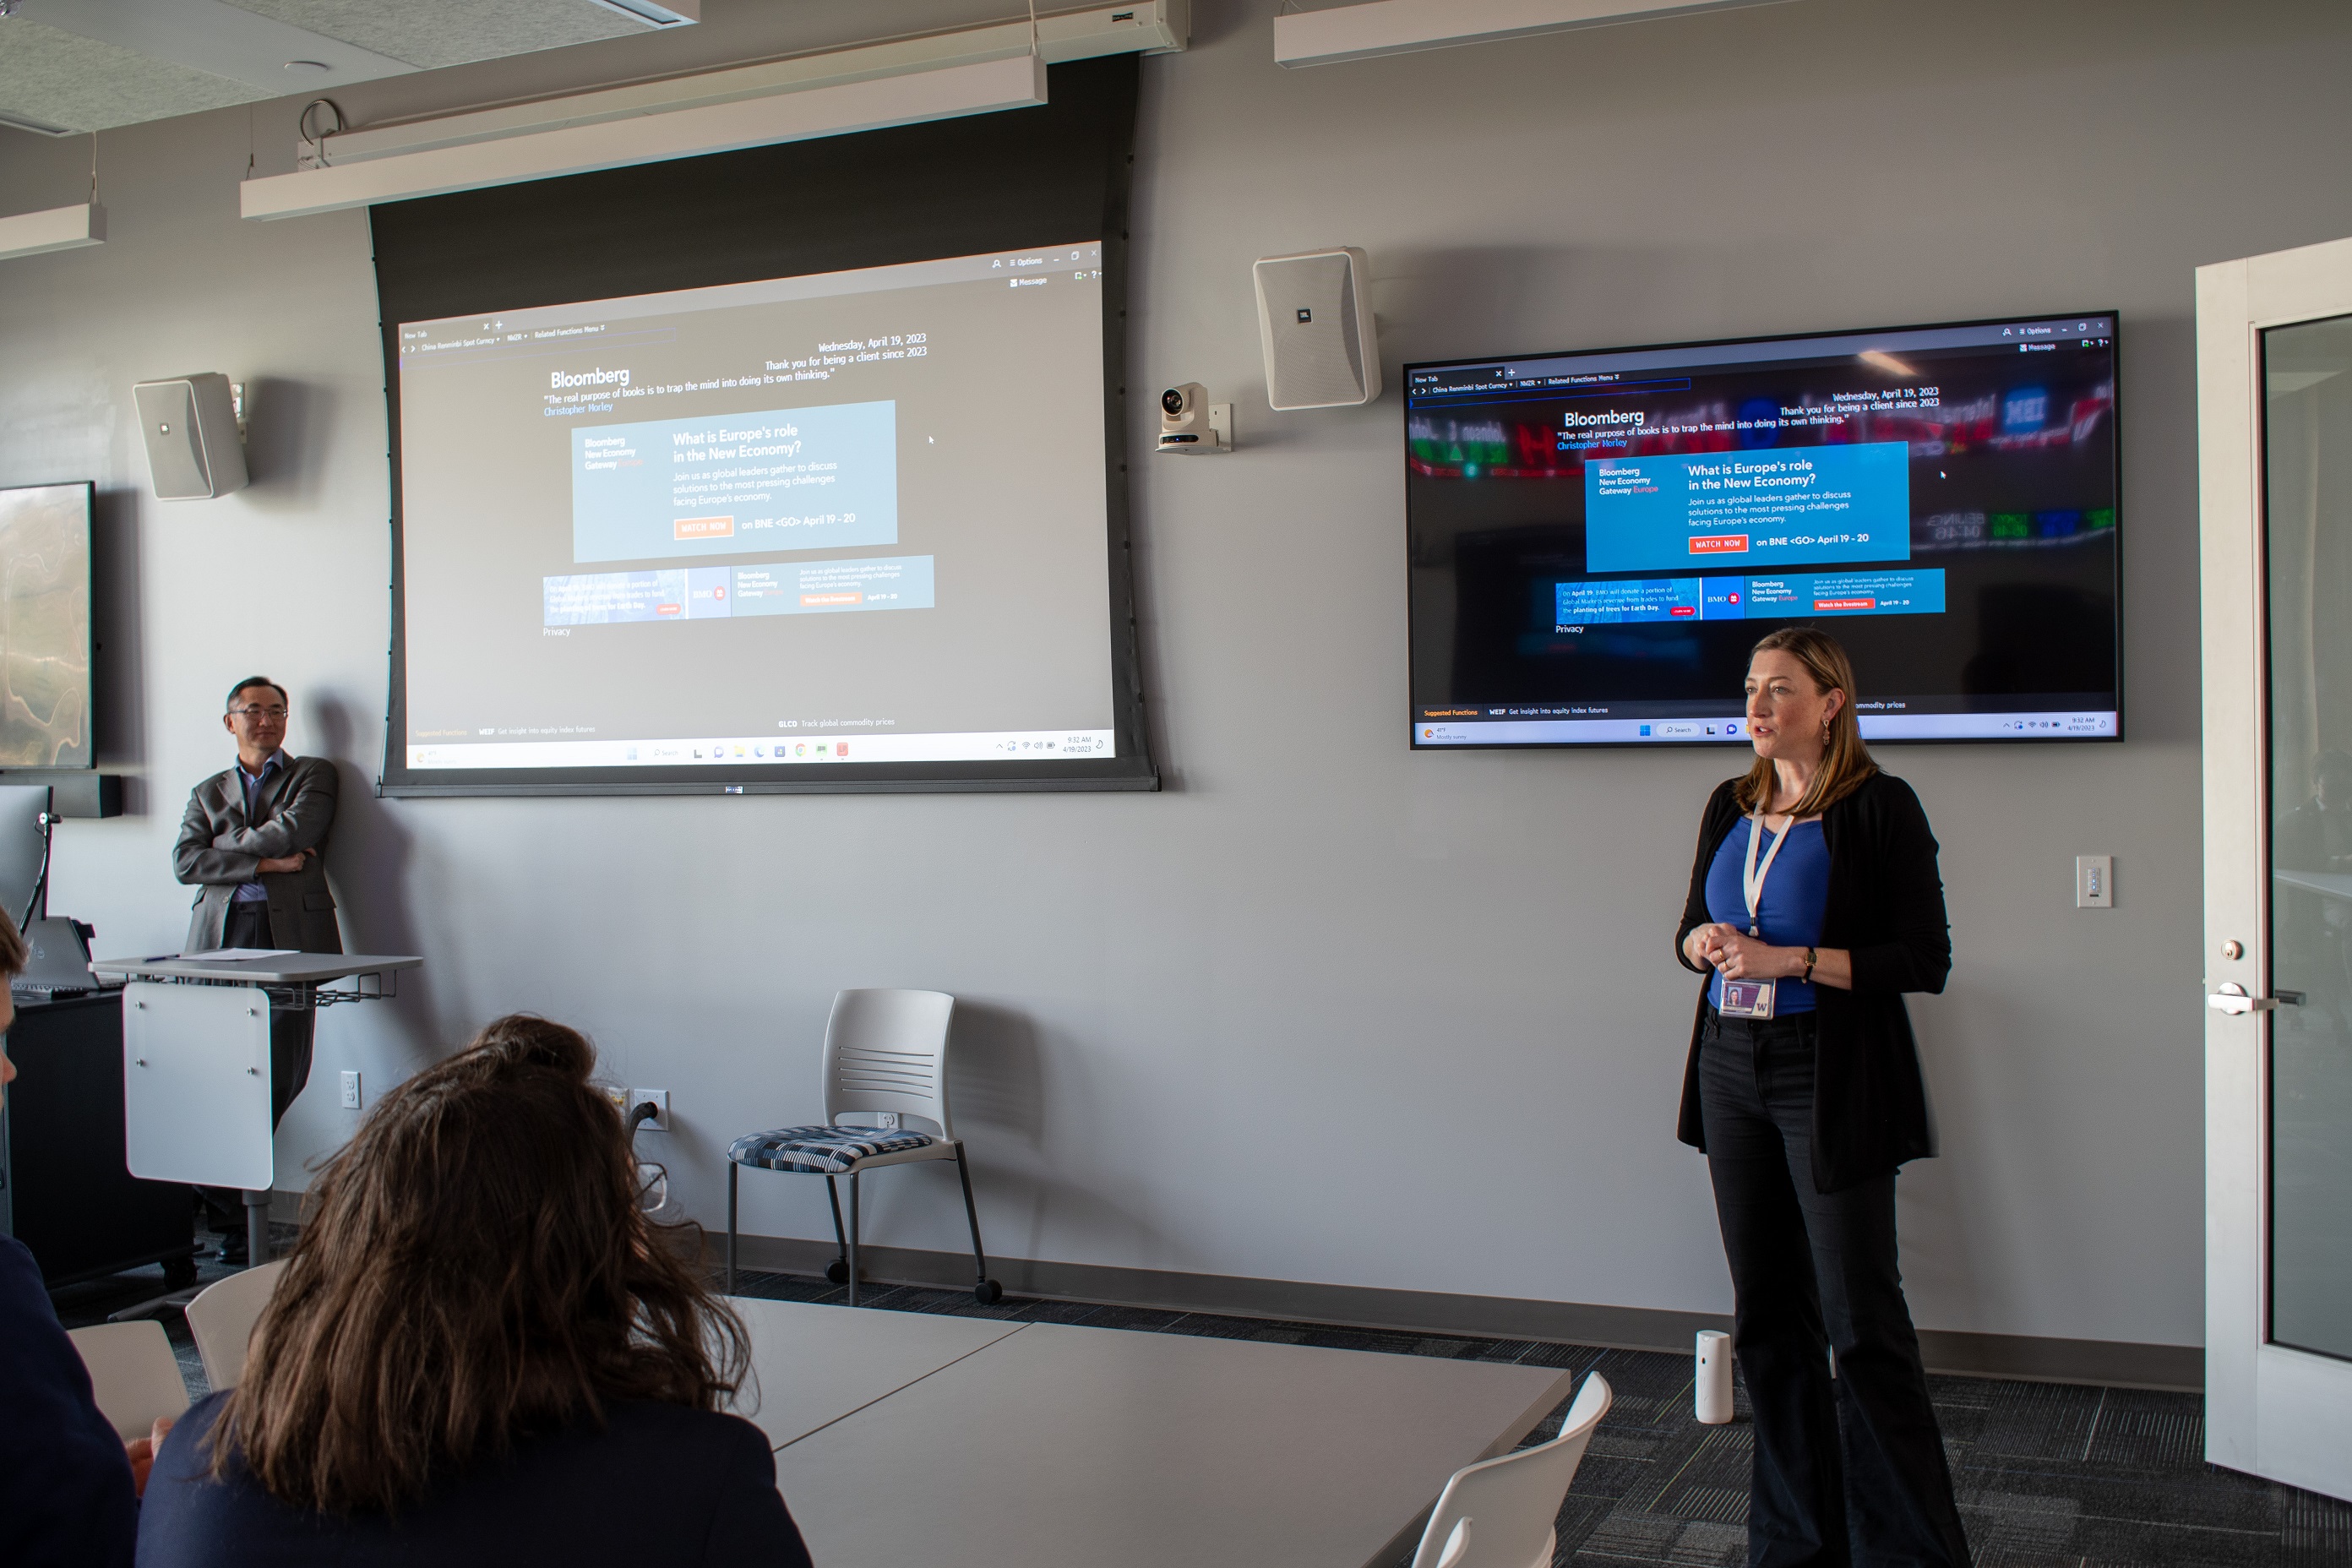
(1814, 904)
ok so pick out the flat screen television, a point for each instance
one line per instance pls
(44, 636)
(1596, 539)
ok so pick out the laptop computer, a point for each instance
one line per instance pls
(57, 961)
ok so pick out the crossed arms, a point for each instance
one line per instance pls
(235, 855)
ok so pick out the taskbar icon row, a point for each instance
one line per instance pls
(762, 750)
(1728, 729)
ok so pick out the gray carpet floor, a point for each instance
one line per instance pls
(2048, 1476)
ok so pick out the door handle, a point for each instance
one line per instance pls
(2231, 998)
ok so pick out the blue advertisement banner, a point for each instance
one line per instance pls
(1781, 597)
(1795, 506)
(789, 479)
(704, 593)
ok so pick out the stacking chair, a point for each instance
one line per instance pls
(134, 1375)
(1498, 1513)
(885, 1050)
(221, 1319)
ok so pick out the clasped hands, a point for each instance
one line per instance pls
(1738, 956)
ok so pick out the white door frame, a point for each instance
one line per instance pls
(2269, 1410)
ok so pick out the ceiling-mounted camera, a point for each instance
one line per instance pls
(1189, 423)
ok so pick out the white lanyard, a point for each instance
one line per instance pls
(1751, 878)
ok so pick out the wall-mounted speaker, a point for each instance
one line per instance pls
(193, 450)
(1315, 326)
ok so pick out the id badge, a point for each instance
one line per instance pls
(1748, 998)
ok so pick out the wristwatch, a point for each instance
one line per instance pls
(1808, 966)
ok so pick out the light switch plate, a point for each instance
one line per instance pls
(2094, 881)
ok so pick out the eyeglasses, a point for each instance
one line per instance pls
(255, 713)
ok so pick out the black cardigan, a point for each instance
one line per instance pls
(1886, 908)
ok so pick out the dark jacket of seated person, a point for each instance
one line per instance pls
(481, 1353)
(658, 1485)
(68, 1486)
(65, 1483)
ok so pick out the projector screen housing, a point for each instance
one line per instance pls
(1598, 539)
(792, 470)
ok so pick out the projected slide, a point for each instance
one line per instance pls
(862, 512)
(788, 479)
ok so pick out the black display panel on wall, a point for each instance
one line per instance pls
(799, 468)
(1596, 539)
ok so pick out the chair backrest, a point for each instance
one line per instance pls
(1498, 1513)
(132, 1372)
(221, 1319)
(887, 1050)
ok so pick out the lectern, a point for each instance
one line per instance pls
(196, 1061)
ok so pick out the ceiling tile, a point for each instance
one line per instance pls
(431, 33)
(55, 77)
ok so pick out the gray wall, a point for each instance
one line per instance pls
(1324, 1010)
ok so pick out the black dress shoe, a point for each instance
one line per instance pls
(232, 1248)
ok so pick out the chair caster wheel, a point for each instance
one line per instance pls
(179, 1273)
(988, 1293)
(837, 1271)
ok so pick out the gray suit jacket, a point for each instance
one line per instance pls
(219, 849)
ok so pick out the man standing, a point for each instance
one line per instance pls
(255, 840)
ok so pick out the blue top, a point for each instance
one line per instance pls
(252, 892)
(660, 1486)
(64, 1482)
(1790, 913)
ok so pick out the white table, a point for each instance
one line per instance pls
(1053, 1446)
(812, 1365)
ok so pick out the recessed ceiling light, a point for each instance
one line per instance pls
(304, 67)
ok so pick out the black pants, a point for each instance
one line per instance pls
(1849, 1470)
(290, 1039)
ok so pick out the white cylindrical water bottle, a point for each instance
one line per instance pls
(1711, 1391)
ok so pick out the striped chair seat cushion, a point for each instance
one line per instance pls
(827, 1150)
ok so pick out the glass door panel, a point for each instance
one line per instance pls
(2307, 505)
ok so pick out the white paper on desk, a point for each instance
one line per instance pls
(233, 954)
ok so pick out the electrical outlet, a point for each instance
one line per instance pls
(351, 1089)
(2094, 881)
(887, 1119)
(617, 1095)
(659, 1098)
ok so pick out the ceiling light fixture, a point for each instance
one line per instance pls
(38, 127)
(59, 229)
(904, 81)
(1376, 28)
(682, 12)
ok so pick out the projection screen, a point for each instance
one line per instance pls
(793, 527)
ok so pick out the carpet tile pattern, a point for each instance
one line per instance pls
(2048, 1476)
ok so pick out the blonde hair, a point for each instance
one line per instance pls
(1845, 761)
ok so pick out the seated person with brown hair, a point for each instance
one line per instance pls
(481, 1352)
